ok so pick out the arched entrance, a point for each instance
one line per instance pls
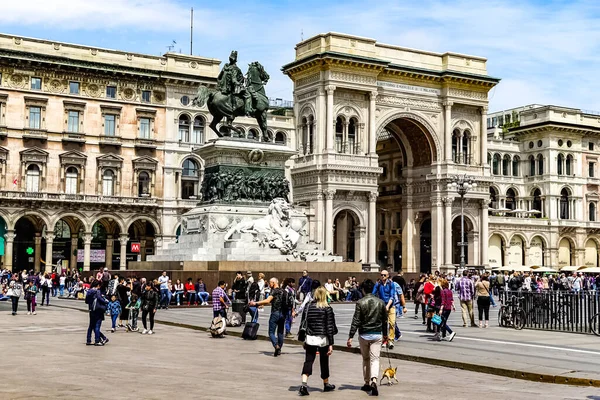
(565, 253)
(535, 255)
(591, 253)
(141, 231)
(516, 253)
(29, 246)
(345, 235)
(496, 249)
(3, 229)
(407, 149)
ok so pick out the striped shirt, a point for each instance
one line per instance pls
(465, 289)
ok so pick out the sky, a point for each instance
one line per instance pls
(545, 51)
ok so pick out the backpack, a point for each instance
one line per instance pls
(514, 283)
(287, 301)
(217, 327)
(235, 319)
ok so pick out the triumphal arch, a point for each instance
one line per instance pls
(381, 130)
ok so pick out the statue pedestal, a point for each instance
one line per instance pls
(244, 214)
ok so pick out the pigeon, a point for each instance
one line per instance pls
(229, 209)
(332, 260)
(330, 253)
(287, 259)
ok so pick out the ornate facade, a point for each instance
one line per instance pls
(381, 130)
(96, 151)
(544, 196)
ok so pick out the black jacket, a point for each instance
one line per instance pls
(370, 316)
(149, 300)
(320, 321)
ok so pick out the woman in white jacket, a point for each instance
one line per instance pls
(15, 289)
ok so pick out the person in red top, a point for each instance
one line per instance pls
(190, 289)
(446, 308)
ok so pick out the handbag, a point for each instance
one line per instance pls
(303, 325)
(436, 319)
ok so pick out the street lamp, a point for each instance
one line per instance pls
(462, 184)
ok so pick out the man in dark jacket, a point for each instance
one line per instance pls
(304, 285)
(97, 307)
(370, 319)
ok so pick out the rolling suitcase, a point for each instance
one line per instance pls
(250, 331)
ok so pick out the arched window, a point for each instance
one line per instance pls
(108, 183)
(466, 146)
(71, 180)
(32, 183)
(253, 134)
(592, 212)
(531, 166)
(537, 202)
(305, 136)
(280, 138)
(352, 136)
(496, 164)
(515, 165)
(493, 198)
(559, 164)
(568, 165)
(564, 204)
(143, 184)
(455, 149)
(311, 134)
(189, 179)
(511, 199)
(184, 128)
(489, 159)
(506, 165)
(339, 135)
(198, 130)
(62, 230)
(540, 162)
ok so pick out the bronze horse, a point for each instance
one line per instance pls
(234, 105)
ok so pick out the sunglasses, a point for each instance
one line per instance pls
(383, 274)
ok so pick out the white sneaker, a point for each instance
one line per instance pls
(28, 312)
(34, 313)
(145, 331)
(451, 336)
(150, 333)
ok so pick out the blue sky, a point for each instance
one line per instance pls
(544, 51)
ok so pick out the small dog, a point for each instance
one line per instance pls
(389, 373)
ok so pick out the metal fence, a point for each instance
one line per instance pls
(556, 310)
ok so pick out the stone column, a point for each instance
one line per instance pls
(319, 212)
(320, 121)
(372, 126)
(329, 218)
(437, 227)
(483, 144)
(372, 227)
(448, 245)
(484, 237)
(361, 234)
(448, 129)
(110, 243)
(329, 119)
(37, 251)
(123, 239)
(409, 251)
(49, 242)
(9, 237)
(87, 249)
(73, 259)
(143, 250)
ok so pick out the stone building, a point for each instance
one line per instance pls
(95, 151)
(381, 130)
(544, 196)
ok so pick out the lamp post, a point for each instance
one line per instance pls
(462, 184)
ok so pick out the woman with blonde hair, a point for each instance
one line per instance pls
(317, 330)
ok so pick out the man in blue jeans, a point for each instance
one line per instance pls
(164, 290)
(97, 307)
(277, 318)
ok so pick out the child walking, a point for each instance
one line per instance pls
(114, 307)
(30, 292)
(134, 310)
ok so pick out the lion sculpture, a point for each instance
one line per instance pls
(272, 230)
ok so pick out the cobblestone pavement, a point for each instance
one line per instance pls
(44, 356)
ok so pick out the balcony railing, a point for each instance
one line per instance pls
(145, 143)
(30, 133)
(110, 140)
(89, 198)
(76, 137)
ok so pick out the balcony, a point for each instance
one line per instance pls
(76, 198)
(336, 160)
(36, 134)
(110, 140)
(145, 143)
(73, 137)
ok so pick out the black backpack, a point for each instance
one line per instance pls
(287, 301)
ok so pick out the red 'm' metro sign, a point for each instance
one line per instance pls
(135, 247)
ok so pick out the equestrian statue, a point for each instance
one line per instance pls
(236, 96)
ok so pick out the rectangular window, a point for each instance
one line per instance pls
(36, 83)
(109, 125)
(591, 168)
(145, 128)
(74, 87)
(591, 146)
(73, 121)
(146, 96)
(398, 220)
(35, 117)
(111, 92)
